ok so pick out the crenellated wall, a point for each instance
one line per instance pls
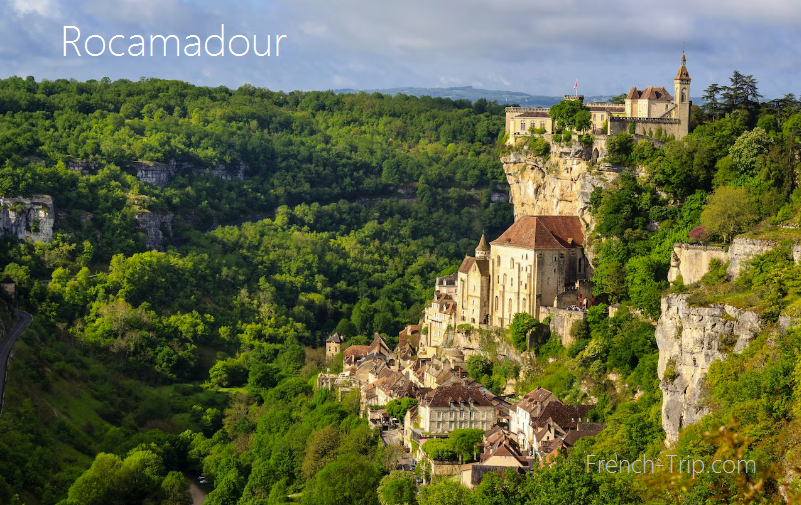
(691, 261)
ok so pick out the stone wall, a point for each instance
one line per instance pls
(689, 340)
(562, 322)
(155, 227)
(27, 218)
(647, 126)
(691, 261)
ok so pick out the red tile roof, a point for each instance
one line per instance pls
(544, 232)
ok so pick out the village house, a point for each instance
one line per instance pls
(439, 318)
(333, 344)
(541, 417)
(447, 408)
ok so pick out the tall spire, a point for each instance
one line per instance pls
(483, 249)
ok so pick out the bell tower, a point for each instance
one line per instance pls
(681, 88)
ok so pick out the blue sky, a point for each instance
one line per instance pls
(536, 46)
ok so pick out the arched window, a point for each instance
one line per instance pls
(683, 94)
(496, 303)
(524, 304)
(510, 305)
(498, 260)
(504, 278)
(511, 262)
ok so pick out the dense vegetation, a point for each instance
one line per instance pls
(123, 338)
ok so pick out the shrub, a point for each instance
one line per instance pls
(698, 234)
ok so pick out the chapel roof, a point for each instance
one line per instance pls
(544, 232)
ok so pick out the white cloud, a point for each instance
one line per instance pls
(44, 8)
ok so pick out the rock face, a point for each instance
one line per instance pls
(155, 226)
(159, 174)
(27, 218)
(743, 249)
(689, 340)
(561, 185)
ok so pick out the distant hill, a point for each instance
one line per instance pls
(473, 94)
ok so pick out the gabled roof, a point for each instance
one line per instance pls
(356, 351)
(544, 232)
(467, 264)
(649, 93)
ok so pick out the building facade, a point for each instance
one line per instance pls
(539, 261)
(448, 408)
(650, 109)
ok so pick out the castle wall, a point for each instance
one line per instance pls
(693, 261)
(647, 126)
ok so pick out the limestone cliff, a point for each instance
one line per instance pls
(560, 185)
(155, 227)
(689, 340)
(27, 218)
(159, 174)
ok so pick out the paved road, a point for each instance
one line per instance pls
(5, 350)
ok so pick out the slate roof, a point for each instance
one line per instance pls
(544, 232)
(534, 114)
(482, 244)
(649, 93)
(334, 339)
(443, 396)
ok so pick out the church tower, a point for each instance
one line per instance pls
(681, 85)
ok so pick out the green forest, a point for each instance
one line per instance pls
(142, 366)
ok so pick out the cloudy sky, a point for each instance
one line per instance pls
(535, 46)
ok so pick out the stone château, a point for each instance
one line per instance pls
(649, 109)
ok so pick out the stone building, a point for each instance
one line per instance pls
(333, 345)
(649, 109)
(537, 262)
(448, 408)
(439, 318)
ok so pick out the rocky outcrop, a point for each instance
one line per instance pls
(27, 218)
(155, 227)
(689, 340)
(560, 185)
(159, 174)
(743, 249)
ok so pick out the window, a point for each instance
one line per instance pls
(439, 415)
(580, 261)
(512, 281)
(474, 287)
(510, 305)
(542, 124)
(593, 117)
(461, 414)
(450, 425)
(683, 94)
(522, 126)
(496, 303)
(498, 260)
(511, 262)
(504, 278)
(524, 302)
(439, 426)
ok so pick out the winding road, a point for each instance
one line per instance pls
(5, 350)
